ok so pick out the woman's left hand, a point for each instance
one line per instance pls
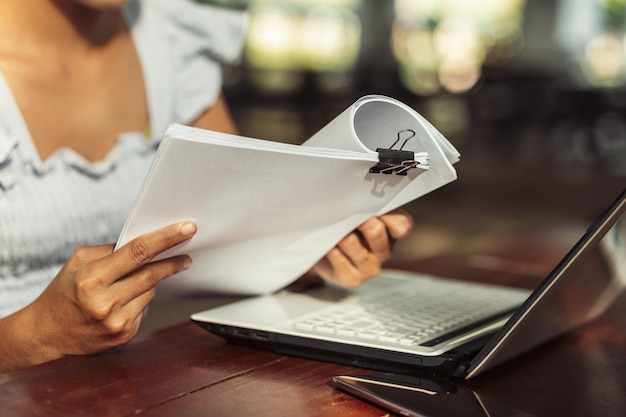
(361, 254)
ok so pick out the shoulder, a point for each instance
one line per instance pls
(192, 25)
(184, 46)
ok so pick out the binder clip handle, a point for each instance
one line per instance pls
(405, 140)
(395, 161)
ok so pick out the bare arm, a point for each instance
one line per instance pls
(217, 117)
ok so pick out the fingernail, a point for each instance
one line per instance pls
(188, 229)
(187, 263)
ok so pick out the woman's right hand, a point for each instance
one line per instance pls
(95, 303)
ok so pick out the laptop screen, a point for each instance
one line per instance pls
(579, 289)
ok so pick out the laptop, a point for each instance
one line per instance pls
(442, 326)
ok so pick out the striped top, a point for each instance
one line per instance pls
(49, 208)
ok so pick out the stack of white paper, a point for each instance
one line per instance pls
(267, 211)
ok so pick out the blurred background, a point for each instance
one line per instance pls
(531, 92)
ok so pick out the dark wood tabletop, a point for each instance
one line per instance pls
(184, 371)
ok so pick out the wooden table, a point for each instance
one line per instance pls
(183, 371)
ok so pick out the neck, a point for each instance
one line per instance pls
(94, 26)
(57, 25)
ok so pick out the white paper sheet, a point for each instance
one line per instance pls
(267, 211)
(374, 121)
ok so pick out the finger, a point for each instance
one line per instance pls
(399, 223)
(143, 249)
(122, 324)
(134, 310)
(144, 279)
(375, 237)
(355, 249)
(358, 263)
(336, 268)
(323, 267)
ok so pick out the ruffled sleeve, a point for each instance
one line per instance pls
(200, 38)
(7, 145)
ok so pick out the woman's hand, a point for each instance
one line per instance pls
(360, 255)
(95, 303)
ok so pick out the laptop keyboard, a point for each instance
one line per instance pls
(415, 314)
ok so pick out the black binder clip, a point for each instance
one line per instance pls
(395, 161)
